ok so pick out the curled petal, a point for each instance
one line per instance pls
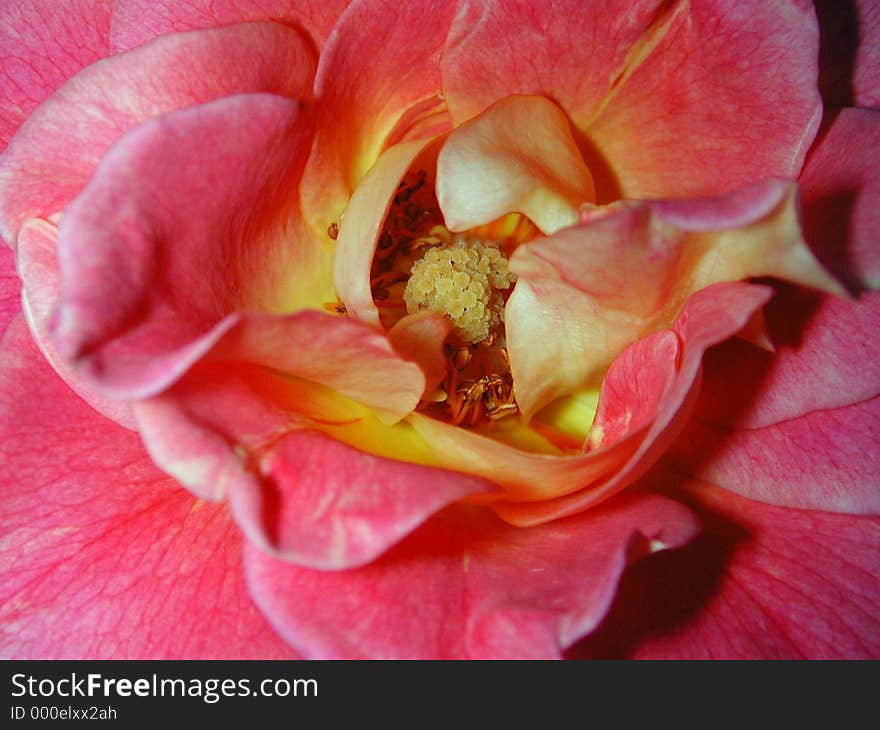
(336, 352)
(138, 21)
(638, 418)
(207, 427)
(712, 315)
(419, 338)
(101, 555)
(739, 77)
(249, 434)
(486, 590)
(628, 270)
(38, 269)
(359, 229)
(325, 505)
(60, 146)
(161, 246)
(377, 78)
(517, 156)
(43, 43)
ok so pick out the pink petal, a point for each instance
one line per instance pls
(102, 556)
(761, 582)
(419, 338)
(42, 44)
(244, 433)
(59, 147)
(10, 289)
(517, 156)
(798, 428)
(651, 79)
(359, 230)
(325, 505)
(542, 486)
(138, 21)
(841, 185)
(826, 460)
(38, 269)
(207, 428)
(169, 237)
(850, 53)
(336, 352)
(467, 586)
(628, 270)
(378, 77)
(826, 358)
(712, 315)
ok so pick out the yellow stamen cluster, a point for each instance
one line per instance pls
(463, 280)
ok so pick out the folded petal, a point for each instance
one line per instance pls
(485, 589)
(59, 147)
(43, 43)
(378, 77)
(170, 237)
(38, 268)
(628, 270)
(138, 21)
(760, 582)
(419, 338)
(850, 53)
(712, 315)
(325, 505)
(517, 156)
(102, 556)
(336, 352)
(638, 418)
(840, 186)
(251, 434)
(740, 77)
(207, 428)
(359, 230)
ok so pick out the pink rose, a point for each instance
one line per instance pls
(381, 329)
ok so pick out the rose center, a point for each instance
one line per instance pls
(463, 280)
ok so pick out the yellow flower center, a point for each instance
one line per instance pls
(463, 280)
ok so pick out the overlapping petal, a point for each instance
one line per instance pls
(38, 269)
(103, 556)
(61, 144)
(138, 21)
(157, 250)
(542, 486)
(841, 184)
(359, 229)
(712, 315)
(671, 98)
(372, 89)
(850, 53)
(628, 270)
(760, 581)
(484, 589)
(517, 156)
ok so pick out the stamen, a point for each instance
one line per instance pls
(420, 265)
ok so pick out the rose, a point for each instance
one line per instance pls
(515, 571)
